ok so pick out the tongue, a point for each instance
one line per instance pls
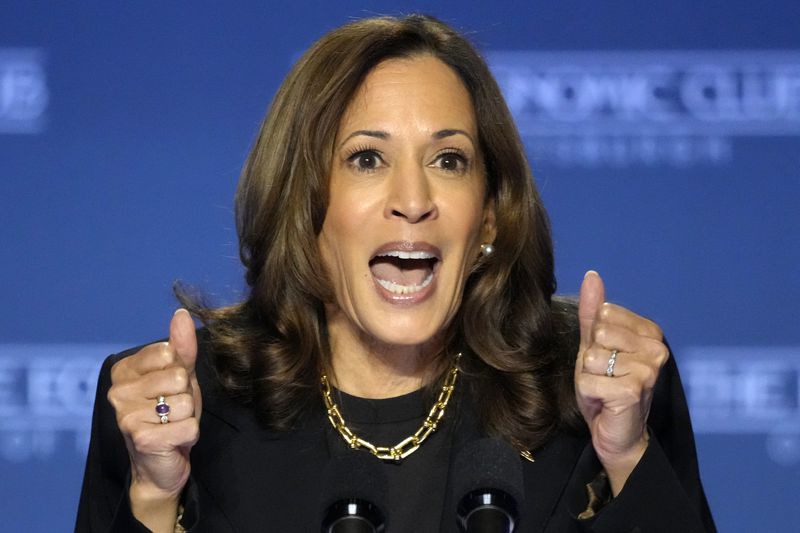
(401, 271)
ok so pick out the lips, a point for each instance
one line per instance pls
(405, 269)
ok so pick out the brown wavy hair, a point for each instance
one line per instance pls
(272, 347)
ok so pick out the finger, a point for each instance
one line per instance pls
(615, 314)
(154, 357)
(183, 339)
(149, 359)
(168, 381)
(615, 409)
(616, 395)
(591, 299)
(597, 359)
(645, 362)
(608, 337)
(181, 407)
(161, 438)
(630, 347)
(181, 348)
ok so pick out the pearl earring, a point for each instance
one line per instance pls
(487, 249)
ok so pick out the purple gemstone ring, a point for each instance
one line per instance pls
(162, 410)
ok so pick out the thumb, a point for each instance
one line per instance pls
(591, 299)
(183, 339)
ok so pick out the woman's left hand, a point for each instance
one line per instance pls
(614, 397)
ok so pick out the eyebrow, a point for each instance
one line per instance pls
(369, 133)
(441, 134)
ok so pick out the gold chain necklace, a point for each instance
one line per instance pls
(410, 444)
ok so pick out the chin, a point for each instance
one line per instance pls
(407, 332)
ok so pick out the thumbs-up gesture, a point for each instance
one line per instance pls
(620, 356)
(157, 401)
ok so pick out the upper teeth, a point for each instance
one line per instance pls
(408, 255)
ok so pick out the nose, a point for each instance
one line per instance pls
(409, 196)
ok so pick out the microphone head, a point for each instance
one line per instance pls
(488, 476)
(354, 489)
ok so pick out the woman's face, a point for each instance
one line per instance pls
(407, 211)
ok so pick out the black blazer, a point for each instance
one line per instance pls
(249, 479)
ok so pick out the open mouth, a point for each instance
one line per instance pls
(404, 272)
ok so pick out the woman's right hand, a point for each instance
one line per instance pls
(159, 453)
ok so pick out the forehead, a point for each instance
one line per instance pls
(418, 91)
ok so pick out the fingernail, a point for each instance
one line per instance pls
(590, 272)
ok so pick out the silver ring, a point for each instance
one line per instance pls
(612, 361)
(162, 410)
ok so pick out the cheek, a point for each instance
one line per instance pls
(329, 239)
(347, 209)
(337, 247)
(471, 223)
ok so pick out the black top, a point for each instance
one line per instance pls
(416, 485)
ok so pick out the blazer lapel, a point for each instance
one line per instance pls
(261, 481)
(251, 479)
(544, 480)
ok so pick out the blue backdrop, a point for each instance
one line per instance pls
(665, 137)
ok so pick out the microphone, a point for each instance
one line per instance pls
(354, 492)
(490, 479)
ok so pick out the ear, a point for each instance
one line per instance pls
(489, 230)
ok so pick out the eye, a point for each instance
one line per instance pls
(365, 160)
(452, 161)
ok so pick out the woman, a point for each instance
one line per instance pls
(394, 245)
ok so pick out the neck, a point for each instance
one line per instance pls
(374, 370)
